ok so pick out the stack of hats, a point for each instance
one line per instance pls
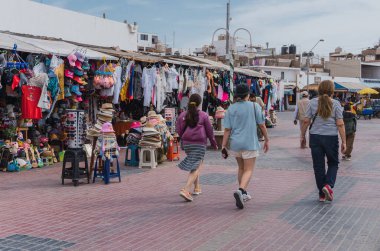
(134, 134)
(75, 76)
(106, 144)
(153, 118)
(105, 115)
(150, 138)
(219, 112)
(143, 121)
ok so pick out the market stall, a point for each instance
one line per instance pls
(44, 81)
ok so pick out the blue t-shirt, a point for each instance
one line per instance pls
(242, 120)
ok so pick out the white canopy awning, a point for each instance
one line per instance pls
(47, 46)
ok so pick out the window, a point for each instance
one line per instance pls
(282, 75)
(144, 37)
(154, 39)
(268, 72)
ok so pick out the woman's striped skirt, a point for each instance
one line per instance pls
(195, 155)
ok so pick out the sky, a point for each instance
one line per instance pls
(351, 24)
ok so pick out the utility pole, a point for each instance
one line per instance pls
(228, 29)
(308, 70)
(228, 52)
(173, 39)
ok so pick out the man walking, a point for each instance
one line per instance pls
(300, 112)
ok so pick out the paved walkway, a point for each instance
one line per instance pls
(144, 211)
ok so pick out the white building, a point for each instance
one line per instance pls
(294, 76)
(147, 41)
(29, 17)
(286, 74)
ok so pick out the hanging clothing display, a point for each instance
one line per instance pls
(137, 87)
(160, 89)
(148, 82)
(30, 97)
(172, 81)
(60, 72)
(118, 84)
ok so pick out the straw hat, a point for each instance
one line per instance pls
(152, 114)
(107, 106)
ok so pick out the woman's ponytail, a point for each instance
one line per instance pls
(325, 105)
(192, 116)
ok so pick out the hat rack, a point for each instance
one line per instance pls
(16, 62)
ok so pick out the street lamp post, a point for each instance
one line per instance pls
(308, 54)
(229, 54)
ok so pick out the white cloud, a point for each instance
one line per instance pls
(350, 24)
(139, 2)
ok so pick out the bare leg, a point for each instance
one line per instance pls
(196, 182)
(191, 178)
(240, 162)
(249, 165)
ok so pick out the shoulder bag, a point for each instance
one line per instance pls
(312, 121)
(259, 132)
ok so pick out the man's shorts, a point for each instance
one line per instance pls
(245, 154)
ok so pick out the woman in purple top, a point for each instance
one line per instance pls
(194, 128)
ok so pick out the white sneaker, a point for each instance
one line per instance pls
(247, 197)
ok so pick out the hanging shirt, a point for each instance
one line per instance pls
(118, 84)
(160, 89)
(181, 80)
(30, 97)
(137, 87)
(131, 82)
(45, 98)
(60, 72)
(148, 82)
(173, 79)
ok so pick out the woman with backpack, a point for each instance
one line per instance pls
(324, 115)
(194, 128)
(240, 123)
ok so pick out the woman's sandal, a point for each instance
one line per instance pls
(186, 195)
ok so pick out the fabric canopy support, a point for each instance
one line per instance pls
(47, 46)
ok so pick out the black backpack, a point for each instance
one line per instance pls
(350, 125)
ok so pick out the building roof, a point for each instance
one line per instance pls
(41, 45)
(371, 63)
(312, 87)
(221, 66)
(276, 67)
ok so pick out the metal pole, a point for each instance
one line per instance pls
(173, 39)
(229, 54)
(228, 29)
(308, 70)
